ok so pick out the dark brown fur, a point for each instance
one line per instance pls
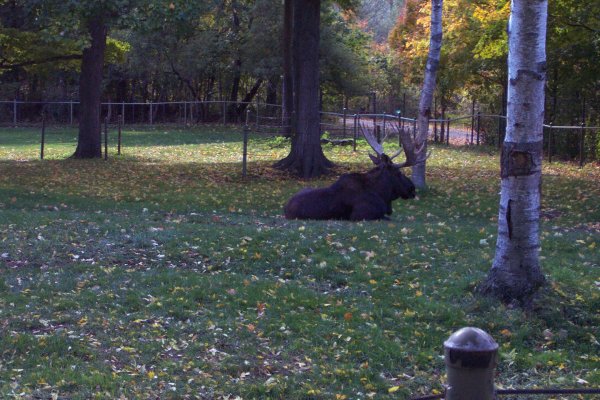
(355, 196)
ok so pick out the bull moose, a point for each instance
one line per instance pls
(357, 196)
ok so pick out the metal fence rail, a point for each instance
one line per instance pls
(263, 118)
(471, 356)
(513, 392)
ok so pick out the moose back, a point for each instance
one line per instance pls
(354, 196)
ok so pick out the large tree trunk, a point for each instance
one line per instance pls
(90, 91)
(516, 275)
(306, 158)
(287, 92)
(237, 63)
(433, 61)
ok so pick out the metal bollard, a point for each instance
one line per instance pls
(471, 357)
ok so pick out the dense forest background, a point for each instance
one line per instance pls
(231, 50)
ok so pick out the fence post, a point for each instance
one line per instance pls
(245, 145)
(472, 119)
(471, 356)
(119, 121)
(404, 105)
(435, 133)
(448, 132)
(354, 132)
(245, 151)
(15, 112)
(71, 112)
(43, 140)
(123, 112)
(105, 138)
(414, 129)
(344, 126)
(581, 144)
(400, 129)
(224, 113)
(375, 111)
(478, 125)
(384, 125)
(550, 134)
(256, 112)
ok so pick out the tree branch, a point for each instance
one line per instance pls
(574, 23)
(6, 65)
(187, 82)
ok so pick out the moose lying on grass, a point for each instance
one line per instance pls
(358, 196)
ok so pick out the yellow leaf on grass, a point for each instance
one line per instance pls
(393, 389)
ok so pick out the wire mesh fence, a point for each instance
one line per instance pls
(563, 142)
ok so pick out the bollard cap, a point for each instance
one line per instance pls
(470, 348)
(473, 339)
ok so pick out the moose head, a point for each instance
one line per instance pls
(359, 196)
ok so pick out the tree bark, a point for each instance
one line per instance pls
(237, 63)
(271, 99)
(433, 61)
(516, 274)
(288, 81)
(306, 158)
(90, 91)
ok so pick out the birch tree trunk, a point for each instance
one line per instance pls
(433, 61)
(516, 275)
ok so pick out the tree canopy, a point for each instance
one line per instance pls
(175, 50)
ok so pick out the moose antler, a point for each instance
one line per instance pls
(413, 154)
(375, 145)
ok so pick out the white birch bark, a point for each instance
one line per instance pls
(516, 274)
(433, 61)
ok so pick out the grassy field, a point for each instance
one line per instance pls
(162, 273)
